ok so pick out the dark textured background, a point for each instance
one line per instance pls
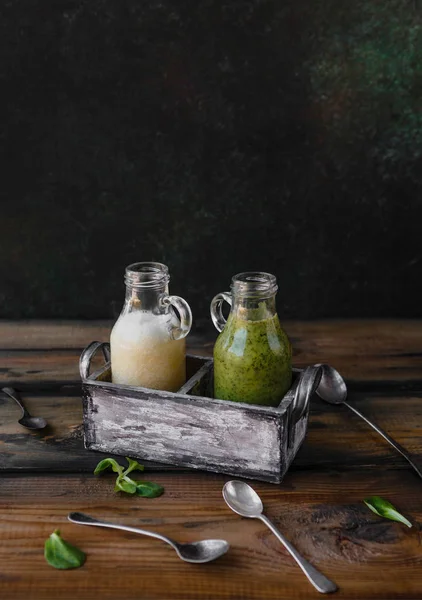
(215, 137)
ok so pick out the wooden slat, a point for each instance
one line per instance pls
(46, 369)
(67, 335)
(323, 515)
(358, 336)
(363, 351)
(336, 438)
(47, 335)
(379, 352)
(39, 369)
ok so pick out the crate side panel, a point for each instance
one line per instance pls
(88, 416)
(182, 432)
(299, 433)
(292, 441)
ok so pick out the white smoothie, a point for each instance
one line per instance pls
(143, 353)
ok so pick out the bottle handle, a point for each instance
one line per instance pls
(185, 316)
(216, 309)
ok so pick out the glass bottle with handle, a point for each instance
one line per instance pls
(147, 342)
(252, 354)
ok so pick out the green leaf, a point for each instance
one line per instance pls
(61, 554)
(133, 466)
(148, 489)
(383, 508)
(125, 484)
(108, 463)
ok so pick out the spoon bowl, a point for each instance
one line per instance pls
(203, 551)
(33, 422)
(242, 499)
(332, 387)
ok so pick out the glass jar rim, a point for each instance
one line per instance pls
(149, 275)
(254, 284)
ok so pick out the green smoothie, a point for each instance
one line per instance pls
(252, 361)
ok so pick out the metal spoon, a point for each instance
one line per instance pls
(244, 501)
(26, 420)
(332, 389)
(196, 552)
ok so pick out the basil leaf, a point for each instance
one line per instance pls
(148, 489)
(107, 463)
(133, 466)
(125, 484)
(61, 554)
(385, 509)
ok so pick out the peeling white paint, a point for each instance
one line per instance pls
(191, 431)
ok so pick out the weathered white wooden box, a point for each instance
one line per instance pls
(190, 428)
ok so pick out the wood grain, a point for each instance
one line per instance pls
(72, 335)
(49, 335)
(336, 438)
(380, 351)
(39, 369)
(323, 515)
(45, 369)
(383, 352)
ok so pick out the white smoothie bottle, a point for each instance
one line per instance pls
(148, 339)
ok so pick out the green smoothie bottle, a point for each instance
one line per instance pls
(252, 354)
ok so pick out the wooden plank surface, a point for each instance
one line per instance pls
(318, 506)
(322, 514)
(363, 351)
(336, 439)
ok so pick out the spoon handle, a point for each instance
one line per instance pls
(389, 439)
(12, 393)
(318, 580)
(82, 519)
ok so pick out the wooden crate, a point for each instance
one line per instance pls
(190, 428)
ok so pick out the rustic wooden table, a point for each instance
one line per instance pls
(318, 506)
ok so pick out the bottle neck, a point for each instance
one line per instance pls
(145, 299)
(146, 286)
(253, 295)
(253, 309)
